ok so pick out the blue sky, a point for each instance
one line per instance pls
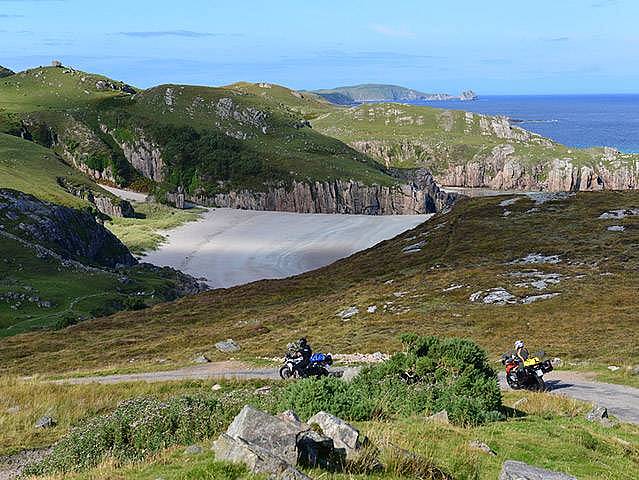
(494, 47)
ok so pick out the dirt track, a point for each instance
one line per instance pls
(621, 401)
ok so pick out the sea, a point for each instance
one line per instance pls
(573, 120)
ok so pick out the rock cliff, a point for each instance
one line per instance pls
(142, 153)
(418, 194)
(72, 234)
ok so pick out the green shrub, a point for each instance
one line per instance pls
(432, 374)
(136, 428)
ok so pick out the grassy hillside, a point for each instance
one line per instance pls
(33, 169)
(207, 139)
(408, 136)
(424, 280)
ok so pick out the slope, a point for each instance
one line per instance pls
(372, 92)
(547, 269)
(471, 150)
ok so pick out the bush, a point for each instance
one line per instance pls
(136, 428)
(432, 374)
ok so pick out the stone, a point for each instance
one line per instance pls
(272, 433)
(56, 63)
(318, 450)
(201, 359)
(256, 458)
(216, 387)
(616, 228)
(193, 450)
(265, 390)
(344, 435)
(481, 446)
(228, 346)
(514, 470)
(599, 414)
(13, 410)
(439, 417)
(613, 368)
(371, 308)
(536, 298)
(497, 296)
(45, 422)
(348, 313)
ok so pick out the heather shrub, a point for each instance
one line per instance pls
(432, 374)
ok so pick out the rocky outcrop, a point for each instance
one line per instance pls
(277, 445)
(5, 72)
(468, 95)
(142, 153)
(109, 206)
(513, 470)
(72, 234)
(418, 195)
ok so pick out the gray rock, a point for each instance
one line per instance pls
(348, 313)
(45, 422)
(256, 458)
(227, 346)
(201, 359)
(344, 435)
(481, 446)
(272, 433)
(439, 417)
(599, 414)
(265, 390)
(318, 450)
(13, 410)
(193, 450)
(513, 470)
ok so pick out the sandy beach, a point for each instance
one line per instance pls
(230, 247)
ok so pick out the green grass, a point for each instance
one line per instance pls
(33, 169)
(592, 319)
(144, 233)
(547, 431)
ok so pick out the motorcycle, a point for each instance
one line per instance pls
(530, 375)
(317, 366)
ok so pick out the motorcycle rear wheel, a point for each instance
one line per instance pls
(285, 373)
(540, 385)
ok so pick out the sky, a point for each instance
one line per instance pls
(493, 47)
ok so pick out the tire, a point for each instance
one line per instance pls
(512, 384)
(285, 373)
(321, 372)
(540, 386)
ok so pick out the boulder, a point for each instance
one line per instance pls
(599, 414)
(317, 450)
(257, 459)
(201, 359)
(344, 435)
(272, 433)
(45, 422)
(289, 415)
(439, 417)
(348, 313)
(513, 470)
(227, 346)
(265, 390)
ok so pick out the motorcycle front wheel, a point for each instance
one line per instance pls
(540, 385)
(285, 373)
(512, 383)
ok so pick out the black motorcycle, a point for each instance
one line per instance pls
(529, 376)
(317, 366)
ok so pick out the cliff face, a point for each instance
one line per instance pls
(73, 234)
(142, 153)
(419, 194)
(502, 169)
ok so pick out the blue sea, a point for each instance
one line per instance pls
(573, 120)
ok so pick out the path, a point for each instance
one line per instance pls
(129, 195)
(621, 401)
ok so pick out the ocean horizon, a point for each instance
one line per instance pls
(579, 120)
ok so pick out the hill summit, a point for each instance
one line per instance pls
(5, 72)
